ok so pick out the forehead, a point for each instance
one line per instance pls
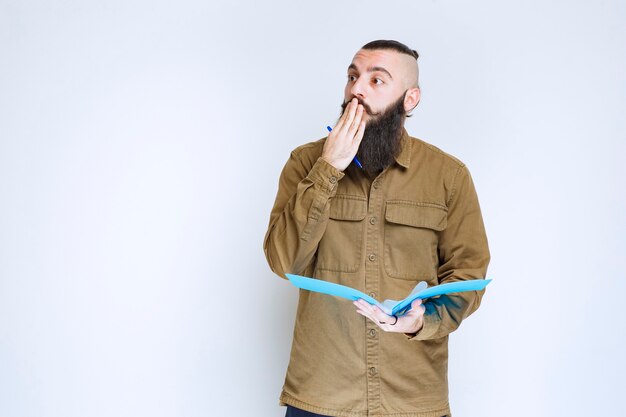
(387, 59)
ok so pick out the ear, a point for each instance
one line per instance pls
(411, 99)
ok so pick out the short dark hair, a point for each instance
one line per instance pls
(391, 44)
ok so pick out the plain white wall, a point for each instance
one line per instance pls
(140, 148)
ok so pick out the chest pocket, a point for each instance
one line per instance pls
(411, 237)
(340, 247)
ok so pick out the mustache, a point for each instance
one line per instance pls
(366, 107)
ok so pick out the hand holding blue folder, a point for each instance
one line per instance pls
(391, 307)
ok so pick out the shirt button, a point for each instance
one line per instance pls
(372, 332)
(373, 294)
(373, 220)
(372, 371)
(376, 184)
(372, 257)
(333, 180)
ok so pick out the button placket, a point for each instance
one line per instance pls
(372, 285)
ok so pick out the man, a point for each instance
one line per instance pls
(405, 212)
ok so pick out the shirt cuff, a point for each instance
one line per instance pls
(325, 175)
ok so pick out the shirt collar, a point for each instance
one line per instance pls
(404, 156)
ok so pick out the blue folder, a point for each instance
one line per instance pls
(391, 307)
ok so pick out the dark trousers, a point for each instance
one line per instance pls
(296, 412)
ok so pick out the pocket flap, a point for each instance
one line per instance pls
(344, 207)
(417, 214)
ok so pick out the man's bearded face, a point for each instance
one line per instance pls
(381, 139)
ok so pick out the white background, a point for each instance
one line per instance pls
(140, 148)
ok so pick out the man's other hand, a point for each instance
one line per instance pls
(411, 322)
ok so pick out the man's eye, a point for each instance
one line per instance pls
(378, 79)
(351, 77)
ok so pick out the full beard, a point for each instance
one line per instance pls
(382, 137)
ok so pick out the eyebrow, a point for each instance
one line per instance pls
(371, 69)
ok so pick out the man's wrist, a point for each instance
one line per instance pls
(327, 160)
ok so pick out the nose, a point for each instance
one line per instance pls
(358, 90)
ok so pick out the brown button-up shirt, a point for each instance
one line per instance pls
(418, 220)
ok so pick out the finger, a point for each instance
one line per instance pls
(371, 312)
(374, 312)
(367, 306)
(367, 310)
(351, 112)
(342, 119)
(417, 307)
(359, 136)
(363, 305)
(365, 314)
(356, 122)
(346, 113)
(416, 302)
(358, 303)
(382, 317)
(373, 319)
